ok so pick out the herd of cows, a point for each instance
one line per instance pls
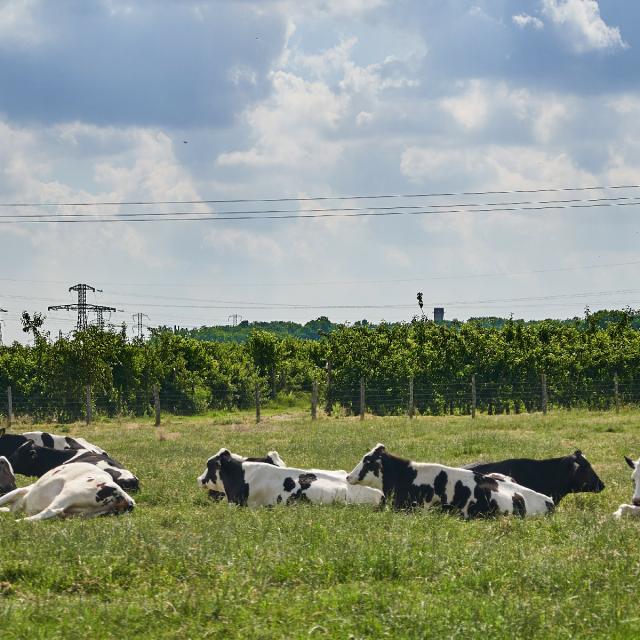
(76, 477)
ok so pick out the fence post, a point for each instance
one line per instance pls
(362, 399)
(88, 404)
(616, 391)
(9, 407)
(257, 402)
(156, 403)
(473, 396)
(314, 400)
(543, 382)
(412, 407)
(328, 405)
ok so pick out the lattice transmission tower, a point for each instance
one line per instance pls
(137, 317)
(82, 307)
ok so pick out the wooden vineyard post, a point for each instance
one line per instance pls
(314, 400)
(88, 415)
(328, 407)
(156, 403)
(544, 397)
(9, 407)
(362, 399)
(474, 398)
(257, 392)
(412, 406)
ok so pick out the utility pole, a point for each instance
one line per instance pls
(1, 321)
(137, 318)
(82, 307)
(235, 318)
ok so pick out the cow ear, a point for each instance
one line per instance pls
(630, 462)
(380, 447)
(225, 455)
(577, 453)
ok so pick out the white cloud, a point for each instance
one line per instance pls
(292, 126)
(471, 108)
(585, 27)
(524, 20)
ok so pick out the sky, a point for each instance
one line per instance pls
(117, 101)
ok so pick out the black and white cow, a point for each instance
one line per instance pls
(32, 460)
(72, 490)
(7, 479)
(61, 443)
(273, 457)
(256, 484)
(9, 442)
(555, 477)
(632, 509)
(413, 484)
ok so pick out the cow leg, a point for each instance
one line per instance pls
(13, 499)
(43, 515)
(56, 508)
(626, 510)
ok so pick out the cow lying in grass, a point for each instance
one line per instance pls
(62, 443)
(273, 457)
(257, 484)
(31, 460)
(632, 509)
(418, 484)
(555, 477)
(79, 489)
(7, 479)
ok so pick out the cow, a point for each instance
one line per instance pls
(272, 457)
(79, 489)
(257, 484)
(9, 442)
(7, 479)
(414, 484)
(32, 460)
(52, 441)
(631, 509)
(555, 477)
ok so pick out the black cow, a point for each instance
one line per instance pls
(31, 460)
(555, 477)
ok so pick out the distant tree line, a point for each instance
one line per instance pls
(580, 358)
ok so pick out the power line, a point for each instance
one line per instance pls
(360, 214)
(315, 198)
(333, 283)
(322, 210)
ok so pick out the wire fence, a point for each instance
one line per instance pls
(412, 397)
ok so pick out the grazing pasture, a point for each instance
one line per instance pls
(183, 566)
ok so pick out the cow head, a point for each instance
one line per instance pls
(369, 470)
(7, 479)
(25, 459)
(583, 477)
(273, 457)
(113, 499)
(635, 478)
(210, 479)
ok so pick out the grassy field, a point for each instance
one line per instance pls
(182, 567)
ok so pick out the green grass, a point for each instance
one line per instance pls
(182, 567)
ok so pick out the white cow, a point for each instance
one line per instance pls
(414, 484)
(257, 484)
(78, 489)
(631, 509)
(61, 443)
